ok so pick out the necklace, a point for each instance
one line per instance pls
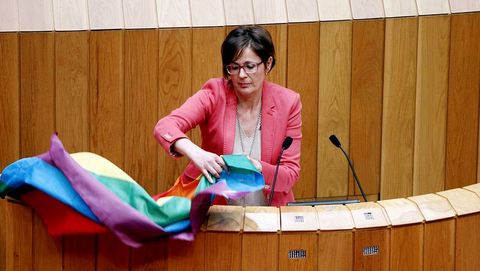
(259, 120)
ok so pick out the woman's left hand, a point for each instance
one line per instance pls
(255, 163)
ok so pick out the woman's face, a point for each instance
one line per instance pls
(249, 84)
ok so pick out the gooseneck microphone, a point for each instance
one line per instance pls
(337, 144)
(285, 145)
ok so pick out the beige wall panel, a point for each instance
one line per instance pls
(280, 38)
(8, 15)
(106, 109)
(366, 104)
(406, 247)
(459, 6)
(174, 87)
(227, 258)
(395, 8)
(335, 250)
(141, 96)
(367, 9)
(70, 15)
(71, 89)
(214, 9)
(303, 45)
(151, 256)
(439, 234)
(431, 104)
(398, 121)
(431, 7)
(206, 60)
(467, 242)
(71, 110)
(260, 257)
(105, 14)
(79, 253)
(302, 11)
(173, 13)
(238, 12)
(269, 11)
(35, 15)
(334, 10)
(140, 14)
(18, 240)
(9, 99)
(463, 97)
(334, 107)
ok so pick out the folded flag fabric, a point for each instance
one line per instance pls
(85, 193)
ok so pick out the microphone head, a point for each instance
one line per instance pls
(335, 141)
(287, 142)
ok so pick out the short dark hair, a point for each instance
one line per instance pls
(255, 37)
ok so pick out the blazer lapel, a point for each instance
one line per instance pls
(269, 120)
(229, 121)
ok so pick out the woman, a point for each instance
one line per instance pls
(240, 113)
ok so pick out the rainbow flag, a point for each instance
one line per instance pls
(84, 193)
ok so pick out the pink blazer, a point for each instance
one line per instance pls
(213, 108)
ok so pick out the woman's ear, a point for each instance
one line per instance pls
(269, 65)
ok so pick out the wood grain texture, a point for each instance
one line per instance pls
(71, 114)
(227, 258)
(37, 123)
(406, 247)
(9, 99)
(398, 120)
(372, 238)
(106, 124)
(184, 255)
(333, 107)
(105, 14)
(467, 242)
(151, 256)
(335, 250)
(3, 235)
(431, 7)
(174, 87)
(214, 9)
(439, 234)
(238, 12)
(367, 9)
(36, 15)
(37, 93)
(296, 241)
(269, 11)
(302, 77)
(140, 14)
(71, 89)
(279, 35)
(260, 251)
(334, 11)
(141, 96)
(302, 11)
(463, 97)
(400, 8)
(174, 13)
(19, 240)
(431, 104)
(366, 104)
(206, 60)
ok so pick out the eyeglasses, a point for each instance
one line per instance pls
(248, 67)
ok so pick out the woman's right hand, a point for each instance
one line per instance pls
(210, 164)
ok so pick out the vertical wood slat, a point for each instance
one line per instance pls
(366, 104)
(467, 242)
(151, 256)
(398, 121)
(37, 99)
(279, 37)
(370, 238)
(19, 240)
(184, 255)
(431, 104)
(292, 241)
(206, 60)
(227, 258)
(463, 101)
(335, 251)
(141, 83)
(264, 257)
(333, 107)
(302, 64)
(174, 87)
(71, 113)
(439, 234)
(106, 108)
(9, 99)
(406, 247)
